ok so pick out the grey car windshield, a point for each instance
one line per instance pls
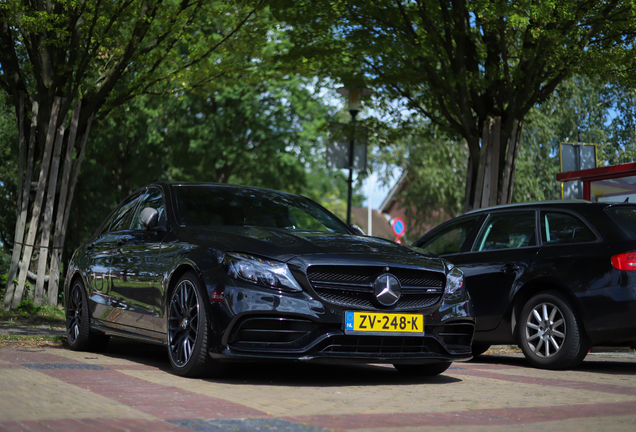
(204, 206)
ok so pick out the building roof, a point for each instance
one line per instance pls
(392, 195)
(380, 225)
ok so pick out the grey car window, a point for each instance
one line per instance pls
(562, 228)
(451, 238)
(507, 230)
(121, 219)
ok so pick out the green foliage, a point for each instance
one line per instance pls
(126, 151)
(30, 314)
(256, 126)
(456, 63)
(268, 134)
(28, 307)
(582, 110)
(453, 59)
(5, 261)
(621, 143)
(119, 49)
(257, 134)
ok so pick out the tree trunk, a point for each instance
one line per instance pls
(64, 203)
(48, 216)
(498, 153)
(37, 205)
(50, 210)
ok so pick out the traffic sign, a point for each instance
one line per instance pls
(398, 227)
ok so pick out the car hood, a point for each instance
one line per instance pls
(283, 245)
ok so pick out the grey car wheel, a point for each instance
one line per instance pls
(545, 329)
(550, 333)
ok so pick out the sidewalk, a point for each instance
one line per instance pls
(130, 387)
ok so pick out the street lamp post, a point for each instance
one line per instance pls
(355, 95)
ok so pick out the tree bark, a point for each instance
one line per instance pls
(495, 171)
(63, 203)
(515, 157)
(490, 198)
(482, 167)
(37, 205)
(513, 146)
(48, 216)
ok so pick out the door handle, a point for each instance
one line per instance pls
(123, 240)
(509, 268)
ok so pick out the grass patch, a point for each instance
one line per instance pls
(32, 338)
(30, 341)
(29, 314)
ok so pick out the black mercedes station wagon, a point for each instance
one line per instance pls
(556, 278)
(218, 272)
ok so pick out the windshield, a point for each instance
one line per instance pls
(205, 205)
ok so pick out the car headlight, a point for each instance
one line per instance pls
(454, 284)
(270, 274)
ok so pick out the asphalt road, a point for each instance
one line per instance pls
(130, 388)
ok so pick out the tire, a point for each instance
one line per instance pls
(480, 348)
(78, 325)
(189, 329)
(422, 370)
(550, 333)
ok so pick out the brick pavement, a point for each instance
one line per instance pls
(130, 388)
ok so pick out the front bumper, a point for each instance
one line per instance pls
(269, 337)
(254, 323)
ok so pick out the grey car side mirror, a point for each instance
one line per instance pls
(149, 218)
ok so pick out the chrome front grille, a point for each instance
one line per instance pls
(352, 287)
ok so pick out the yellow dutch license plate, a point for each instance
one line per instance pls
(382, 323)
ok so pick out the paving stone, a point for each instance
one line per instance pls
(245, 425)
(54, 389)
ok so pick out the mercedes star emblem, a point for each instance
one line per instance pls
(387, 289)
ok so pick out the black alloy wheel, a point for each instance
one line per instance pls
(422, 370)
(78, 332)
(550, 333)
(188, 329)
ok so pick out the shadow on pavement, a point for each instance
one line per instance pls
(276, 373)
(610, 363)
(323, 375)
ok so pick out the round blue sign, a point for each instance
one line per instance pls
(398, 227)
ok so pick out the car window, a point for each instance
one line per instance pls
(625, 217)
(120, 220)
(450, 239)
(507, 230)
(152, 198)
(562, 228)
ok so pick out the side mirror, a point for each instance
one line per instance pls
(149, 218)
(357, 229)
